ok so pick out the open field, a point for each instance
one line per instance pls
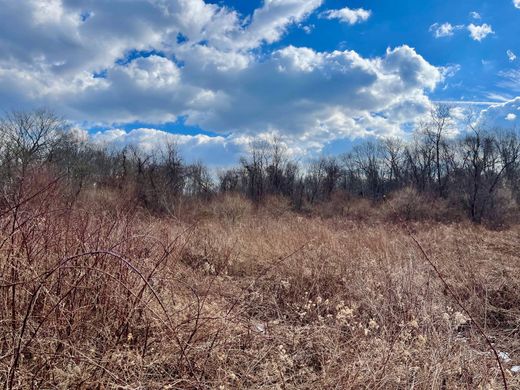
(265, 195)
(97, 294)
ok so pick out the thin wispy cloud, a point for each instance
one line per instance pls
(510, 79)
(444, 30)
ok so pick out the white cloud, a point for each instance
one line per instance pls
(444, 30)
(497, 97)
(348, 15)
(307, 28)
(299, 89)
(476, 15)
(510, 80)
(511, 55)
(124, 63)
(501, 115)
(216, 151)
(516, 3)
(450, 70)
(478, 33)
(271, 20)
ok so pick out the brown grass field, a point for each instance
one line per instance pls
(96, 294)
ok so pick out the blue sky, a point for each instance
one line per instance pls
(394, 23)
(212, 76)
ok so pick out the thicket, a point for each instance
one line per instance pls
(435, 173)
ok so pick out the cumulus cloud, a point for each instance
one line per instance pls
(502, 115)
(298, 89)
(271, 20)
(511, 55)
(476, 15)
(478, 33)
(444, 30)
(217, 151)
(516, 3)
(347, 15)
(156, 61)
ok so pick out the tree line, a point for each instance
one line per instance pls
(475, 168)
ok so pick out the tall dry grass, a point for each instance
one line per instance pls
(95, 293)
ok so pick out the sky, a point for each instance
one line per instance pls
(214, 75)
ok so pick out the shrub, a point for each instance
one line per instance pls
(502, 210)
(231, 207)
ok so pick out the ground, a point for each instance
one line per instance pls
(262, 298)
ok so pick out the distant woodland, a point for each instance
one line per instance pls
(475, 173)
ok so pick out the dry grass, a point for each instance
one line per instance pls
(97, 294)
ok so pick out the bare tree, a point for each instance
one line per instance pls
(314, 179)
(393, 156)
(29, 136)
(198, 182)
(368, 157)
(435, 131)
(254, 168)
(508, 145)
(419, 157)
(486, 159)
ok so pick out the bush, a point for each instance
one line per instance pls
(230, 207)
(97, 293)
(502, 210)
(410, 205)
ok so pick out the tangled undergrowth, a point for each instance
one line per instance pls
(95, 293)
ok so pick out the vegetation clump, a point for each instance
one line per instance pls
(126, 270)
